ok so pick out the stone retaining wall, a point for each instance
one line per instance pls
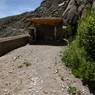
(11, 43)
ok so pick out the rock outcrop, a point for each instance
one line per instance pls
(70, 10)
(75, 9)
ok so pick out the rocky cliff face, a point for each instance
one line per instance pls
(70, 10)
(75, 9)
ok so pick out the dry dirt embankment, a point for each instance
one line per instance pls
(36, 70)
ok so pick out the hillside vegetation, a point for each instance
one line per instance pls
(80, 55)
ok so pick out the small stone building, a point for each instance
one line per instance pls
(46, 29)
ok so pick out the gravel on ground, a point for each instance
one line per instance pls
(37, 70)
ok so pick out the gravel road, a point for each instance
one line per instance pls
(37, 70)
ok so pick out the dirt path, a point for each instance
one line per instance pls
(36, 70)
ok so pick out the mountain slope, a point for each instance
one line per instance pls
(70, 10)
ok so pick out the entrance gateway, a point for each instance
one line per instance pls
(46, 29)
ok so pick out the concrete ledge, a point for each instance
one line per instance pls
(11, 43)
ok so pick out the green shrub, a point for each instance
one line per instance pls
(85, 71)
(76, 59)
(72, 90)
(74, 55)
(86, 34)
(80, 55)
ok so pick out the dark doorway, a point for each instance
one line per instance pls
(45, 33)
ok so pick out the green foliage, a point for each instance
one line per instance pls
(76, 59)
(80, 55)
(73, 56)
(73, 91)
(86, 34)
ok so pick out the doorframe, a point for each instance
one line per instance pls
(34, 32)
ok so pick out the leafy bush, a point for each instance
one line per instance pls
(73, 91)
(86, 34)
(76, 59)
(74, 55)
(80, 55)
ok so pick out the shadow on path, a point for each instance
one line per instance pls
(51, 43)
(91, 86)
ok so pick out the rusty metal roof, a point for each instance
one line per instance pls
(46, 21)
